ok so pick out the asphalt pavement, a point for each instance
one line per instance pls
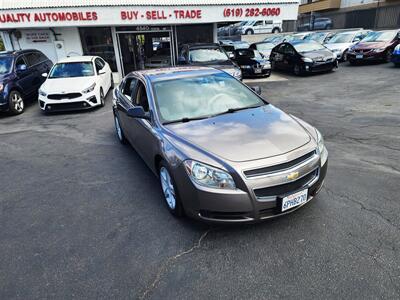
(82, 217)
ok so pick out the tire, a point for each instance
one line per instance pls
(119, 131)
(297, 70)
(102, 99)
(388, 56)
(112, 82)
(276, 30)
(16, 103)
(273, 66)
(344, 56)
(249, 31)
(170, 192)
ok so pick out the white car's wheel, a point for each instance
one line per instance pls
(102, 98)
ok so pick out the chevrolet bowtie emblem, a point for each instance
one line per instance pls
(292, 176)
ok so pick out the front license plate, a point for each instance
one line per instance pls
(257, 71)
(294, 200)
(359, 56)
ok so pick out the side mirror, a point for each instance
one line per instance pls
(21, 68)
(44, 75)
(181, 60)
(102, 71)
(257, 89)
(138, 113)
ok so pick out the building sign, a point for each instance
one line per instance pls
(151, 15)
(37, 36)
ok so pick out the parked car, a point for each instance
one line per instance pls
(252, 63)
(211, 55)
(321, 37)
(376, 46)
(20, 78)
(78, 82)
(318, 24)
(341, 42)
(303, 57)
(221, 152)
(261, 26)
(396, 56)
(264, 48)
(296, 36)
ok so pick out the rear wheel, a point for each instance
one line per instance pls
(168, 186)
(249, 31)
(276, 30)
(16, 103)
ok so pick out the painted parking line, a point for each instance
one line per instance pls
(272, 78)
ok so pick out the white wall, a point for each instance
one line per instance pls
(69, 35)
(350, 3)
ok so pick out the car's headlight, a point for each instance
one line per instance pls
(237, 74)
(321, 148)
(379, 49)
(266, 66)
(307, 59)
(42, 93)
(1, 87)
(89, 89)
(245, 67)
(397, 48)
(208, 176)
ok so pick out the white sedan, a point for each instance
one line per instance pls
(78, 82)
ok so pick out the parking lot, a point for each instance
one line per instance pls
(83, 217)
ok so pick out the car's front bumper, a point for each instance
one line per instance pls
(251, 72)
(317, 67)
(85, 101)
(244, 204)
(367, 56)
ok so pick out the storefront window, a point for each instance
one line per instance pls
(201, 33)
(98, 41)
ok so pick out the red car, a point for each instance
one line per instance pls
(376, 46)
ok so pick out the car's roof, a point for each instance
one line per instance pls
(17, 52)
(83, 58)
(175, 72)
(296, 42)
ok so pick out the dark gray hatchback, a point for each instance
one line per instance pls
(222, 153)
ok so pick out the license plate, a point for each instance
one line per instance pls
(257, 71)
(294, 200)
(359, 56)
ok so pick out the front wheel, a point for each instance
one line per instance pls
(169, 190)
(388, 57)
(119, 131)
(249, 31)
(112, 82)
(297, 70)
(102, 100)
(276, 30)
(16, 103)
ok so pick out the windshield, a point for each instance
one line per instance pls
(316, 36)
(75, 69)
(249, 53)
(207, 55)
(380, 36)
(265, 46)
(308, 47)
(341, 38)
(5, 65)
(202, 96)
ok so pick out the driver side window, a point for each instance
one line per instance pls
(20, 61)
(141, 97)
(129, 88)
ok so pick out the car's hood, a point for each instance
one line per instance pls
(340, 46)
(244, 135)
(372, 45)
(71, 84)
(317, 54)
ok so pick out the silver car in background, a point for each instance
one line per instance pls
(341, 42)
(222, 153)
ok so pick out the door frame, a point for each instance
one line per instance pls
(171, 35)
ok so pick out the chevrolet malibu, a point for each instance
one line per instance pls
(222, 153)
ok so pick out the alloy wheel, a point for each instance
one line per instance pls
(168, 188)
(17, 102)
(101, 97)
(118, 128)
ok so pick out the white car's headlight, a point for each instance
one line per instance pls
(237, 74)
(89, 89)
(42, 93)
(209, 176)
(307, 59)
(321, 148)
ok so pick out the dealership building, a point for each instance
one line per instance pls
(128, 34)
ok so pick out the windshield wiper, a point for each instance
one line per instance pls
(186, 119)
(232, 110)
